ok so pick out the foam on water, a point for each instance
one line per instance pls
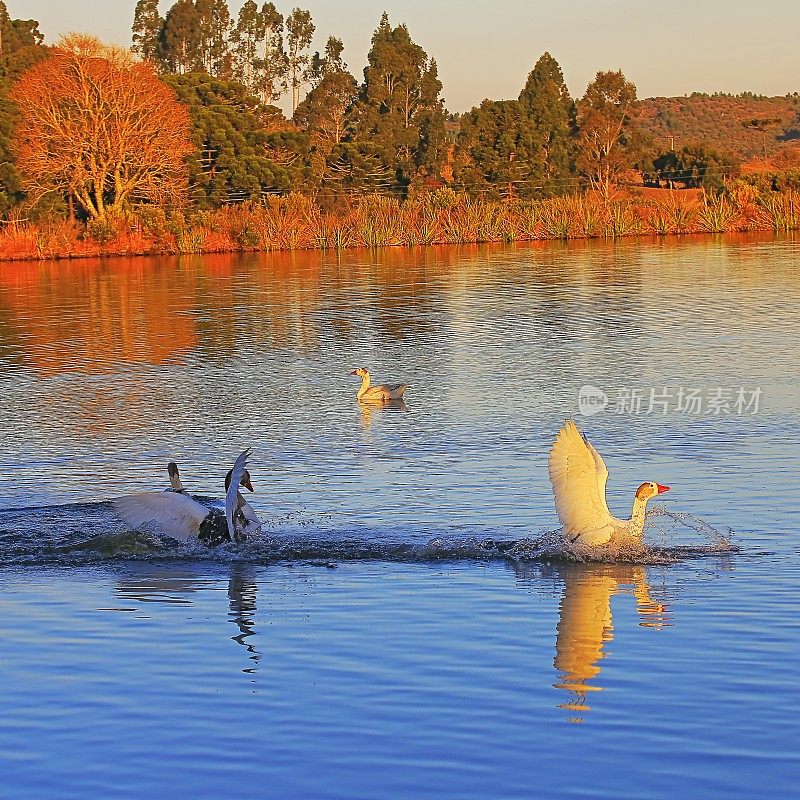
(85, 533)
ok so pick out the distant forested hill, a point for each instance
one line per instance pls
(747, 125)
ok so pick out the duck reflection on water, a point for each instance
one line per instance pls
(242, 605)
(584, 629)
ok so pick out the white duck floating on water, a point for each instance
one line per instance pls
(377, 394)
(579, 477)
(180, 517)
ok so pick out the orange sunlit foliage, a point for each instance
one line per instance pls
(101, 130)
(294, 222)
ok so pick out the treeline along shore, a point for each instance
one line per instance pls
(175, 146)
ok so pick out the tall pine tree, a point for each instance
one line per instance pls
(234, 136)
(548, 137)
(400, 117)
(490, 158)
(21, 46)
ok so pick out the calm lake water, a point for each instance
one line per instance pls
(393, 633)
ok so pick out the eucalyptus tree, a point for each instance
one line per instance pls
(147, 25)
(604, 114)
(324, 113)
(329, 63)
(299, 32)
(215, 22)
(181, 43)
(259, 60)
(246, 36)
(272, 64)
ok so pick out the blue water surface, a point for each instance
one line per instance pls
(392, 634)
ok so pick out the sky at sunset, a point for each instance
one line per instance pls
(486, 49)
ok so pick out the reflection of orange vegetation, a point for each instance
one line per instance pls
(86, 315)
(89, 315)
(295, 223)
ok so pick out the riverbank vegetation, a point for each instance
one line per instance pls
(295, 222)
(176, 146)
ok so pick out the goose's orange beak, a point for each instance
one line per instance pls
(662, 489)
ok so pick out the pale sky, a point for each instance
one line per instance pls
(486, 49)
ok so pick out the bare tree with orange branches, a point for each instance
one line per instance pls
(101, 129)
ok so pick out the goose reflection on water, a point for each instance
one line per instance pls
(242, 597)
(370, 411)
(175, 586)
(585, 624)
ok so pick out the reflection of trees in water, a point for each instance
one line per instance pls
(11, 348)
(304, 301)
(404, 295)
(87, 315)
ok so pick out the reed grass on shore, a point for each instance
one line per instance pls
(295, 222)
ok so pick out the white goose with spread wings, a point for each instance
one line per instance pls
(180, 517)
(579, 477)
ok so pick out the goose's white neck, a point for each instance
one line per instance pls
(636, 523)
(365, 383)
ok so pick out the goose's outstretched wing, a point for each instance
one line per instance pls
(579, 478)
(232, 495)
(175, 515)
